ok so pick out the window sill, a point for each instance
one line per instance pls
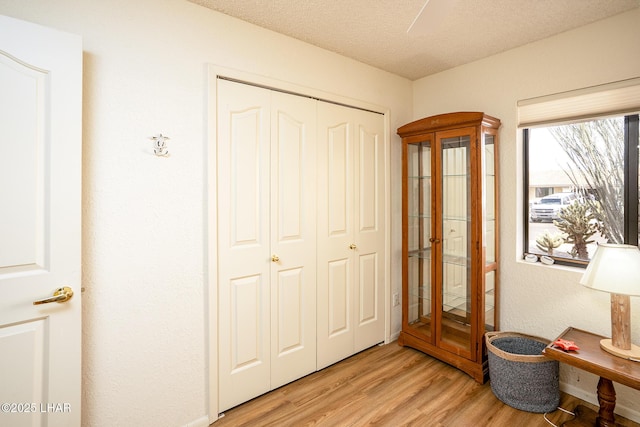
(556, 265)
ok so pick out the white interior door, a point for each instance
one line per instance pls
(267, 240)
(40, 224)
(293, 237)
(244, 258)
(369, 227)
(351, 231)
(335, 234)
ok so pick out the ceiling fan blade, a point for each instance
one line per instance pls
(431, 16)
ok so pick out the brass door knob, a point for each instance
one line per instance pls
(275, 258)
(62, 294)
(352, 246)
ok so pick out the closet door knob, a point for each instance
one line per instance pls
(352, 246)
(275, 258)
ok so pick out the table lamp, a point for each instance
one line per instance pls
(616, 269)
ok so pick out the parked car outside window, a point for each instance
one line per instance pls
(548, 208)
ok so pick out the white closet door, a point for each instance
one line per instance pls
(267, 240)
(369, 228)
(351, 218)
(335, 234)
(293, 237)
(244, 258)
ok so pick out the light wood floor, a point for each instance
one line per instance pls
(391, 386)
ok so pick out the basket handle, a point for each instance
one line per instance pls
(511, 356)
(491, 334)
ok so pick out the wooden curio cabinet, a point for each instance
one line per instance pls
(450, 237)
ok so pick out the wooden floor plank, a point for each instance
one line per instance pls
(391, 386)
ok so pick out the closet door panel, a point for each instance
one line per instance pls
(335, 313)
(289, 167)
(335, 234)
(339, 301)
(367, 307)
(369, 228)
(245, 178)
(246, 305)
(351, 231)
(339, 182)
(293, 237)
(368, 180)
(290, 311)
(243, 242)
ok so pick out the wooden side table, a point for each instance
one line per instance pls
(591, 358)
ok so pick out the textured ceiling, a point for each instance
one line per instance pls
(375, 31)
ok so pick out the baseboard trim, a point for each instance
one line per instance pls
(200, 422)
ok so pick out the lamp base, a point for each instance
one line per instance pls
(634, 353)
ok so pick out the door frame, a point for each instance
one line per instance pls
(212, 74)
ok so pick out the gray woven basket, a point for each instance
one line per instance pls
(521, 376)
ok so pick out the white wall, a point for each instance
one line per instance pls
(145, 314)
(535, 299)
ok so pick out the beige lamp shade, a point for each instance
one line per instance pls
(614, 269)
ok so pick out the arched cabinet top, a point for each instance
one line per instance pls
(448, 121)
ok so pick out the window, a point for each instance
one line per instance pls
(581, 186)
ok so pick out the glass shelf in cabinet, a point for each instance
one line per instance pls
(420, 216)
(456, 260)
(424, 253)
(457, 218)
(461, 303)
(455, 302)
(446, 258)
(421, 292)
